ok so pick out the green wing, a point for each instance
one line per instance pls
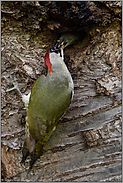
(37, 84)
(49, 99)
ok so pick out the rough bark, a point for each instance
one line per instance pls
(86, 145)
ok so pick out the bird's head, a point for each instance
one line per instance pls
(57, 52)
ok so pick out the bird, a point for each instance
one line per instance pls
(48, 101)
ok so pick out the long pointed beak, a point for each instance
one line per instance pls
(60, 44)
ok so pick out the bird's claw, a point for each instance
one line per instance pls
(14, 82)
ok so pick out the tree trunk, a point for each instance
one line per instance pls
(86, 145)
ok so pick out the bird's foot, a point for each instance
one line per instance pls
(14, 82)
(25, 98)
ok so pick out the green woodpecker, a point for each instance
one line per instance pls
(49, 99)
